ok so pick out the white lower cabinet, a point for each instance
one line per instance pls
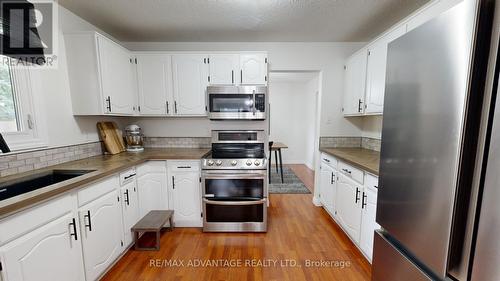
(184, 181)
(328, 186)
(130, 210)
(101, 231)
(349, 206)
(50, 252)
(152, 187)
(368, 215)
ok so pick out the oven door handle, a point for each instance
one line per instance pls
(235, 203)
(233, 176)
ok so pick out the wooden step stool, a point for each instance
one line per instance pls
(152, 222)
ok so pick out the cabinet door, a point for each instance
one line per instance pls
(355, 83)
(224, 69)
(368, 224)
(118, 77)
(152, 192)
(186, 199)
(377, 63)
(327, 188)
(101, 229)
(45, 254)
(154, 76)
(190, 79)
(349, 206)
(130, 210)
(253, 69)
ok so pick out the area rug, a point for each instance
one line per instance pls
(292, 184)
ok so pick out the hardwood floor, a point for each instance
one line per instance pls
(297, 232)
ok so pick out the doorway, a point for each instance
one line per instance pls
(294, 115)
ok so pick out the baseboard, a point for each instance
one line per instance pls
(316, 202)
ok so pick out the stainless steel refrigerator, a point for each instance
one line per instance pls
(439, 186)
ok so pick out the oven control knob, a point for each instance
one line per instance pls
(218, 162)
(234, 162)
(257, 162)
(249, 163)
(210, 162)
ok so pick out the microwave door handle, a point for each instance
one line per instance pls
(254, 109)
(234, 203)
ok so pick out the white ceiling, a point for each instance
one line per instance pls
(243, 20)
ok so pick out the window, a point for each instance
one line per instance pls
(17, 110)
(9, 121)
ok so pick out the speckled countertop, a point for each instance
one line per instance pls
(361, 158)
(104, 165)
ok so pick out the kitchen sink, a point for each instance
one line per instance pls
(37, 181)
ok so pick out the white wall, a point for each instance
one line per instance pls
(293, 116)
(325, 57)
(53, 92)
(372, 127)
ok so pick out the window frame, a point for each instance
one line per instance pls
(31, 134)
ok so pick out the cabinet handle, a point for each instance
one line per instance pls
(90, 221)
(363, 200)
(241, 76)
(108, 101)
(232, 76)
(173, 182)
(73, 225)
(168, 111)
(359, 105)
(183, 167)
(175, 106)
(129, 176)
(357, 196)
(127, 199)
(347, 171)
(332, 179)
(326, 160)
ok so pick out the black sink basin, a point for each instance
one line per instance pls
(37, 181)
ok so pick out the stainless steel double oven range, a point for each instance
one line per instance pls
(234, 182)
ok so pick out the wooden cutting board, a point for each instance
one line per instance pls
(111, 136)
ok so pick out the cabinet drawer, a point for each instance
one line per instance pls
(151, 167)
(350, 171)
(97, 190)
(127, 176)
(371, 181)
(21, 223)
(329, 160)
(183, 166)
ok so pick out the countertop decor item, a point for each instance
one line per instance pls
(134, 138)
(111, 136)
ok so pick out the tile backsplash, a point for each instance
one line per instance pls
(334, 142)
(178, 142)
(32, 160)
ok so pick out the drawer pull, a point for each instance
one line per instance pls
(326, 160)
(183, 167)
(129, 176)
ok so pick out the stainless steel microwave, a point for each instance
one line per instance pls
(237, 102)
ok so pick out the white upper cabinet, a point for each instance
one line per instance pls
(377, 63)
(102, 75)
(355, 83)
(154, 76)
(190, 80)
(118, 77)
(431, 11)
(224, 69)
(253, 69)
